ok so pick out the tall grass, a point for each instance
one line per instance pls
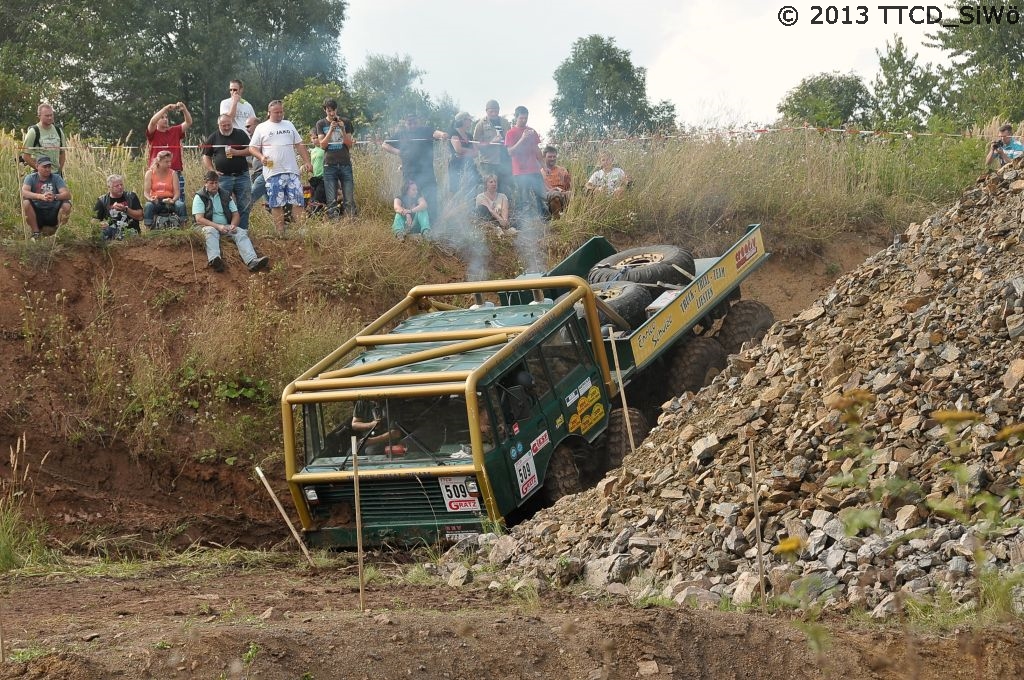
(20, 538)
(805, 185)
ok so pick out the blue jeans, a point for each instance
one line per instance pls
(531, 196)
(152, 209)
(240, 237)
(259, 189)
(333, 176)
(241, 187)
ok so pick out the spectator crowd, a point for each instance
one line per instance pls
(500, 175)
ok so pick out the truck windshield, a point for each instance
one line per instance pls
(389, 432)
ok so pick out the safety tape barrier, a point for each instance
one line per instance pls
(703, 134)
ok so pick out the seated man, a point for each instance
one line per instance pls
(1004, 149)
(366, 423)
(557, 181)
(45, 199)
(215, 213)
(117, 210)
(608, 179)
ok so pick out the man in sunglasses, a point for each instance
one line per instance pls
(236, 107)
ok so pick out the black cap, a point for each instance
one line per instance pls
(43, 160)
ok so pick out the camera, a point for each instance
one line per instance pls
(336, 119)
(998, 144)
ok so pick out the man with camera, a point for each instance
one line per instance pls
(162, 136)
(334, 136)
(1004, 149)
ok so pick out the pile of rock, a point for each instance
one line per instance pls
(905, 501)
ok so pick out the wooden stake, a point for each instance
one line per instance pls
(280, 508)
(622, 395)
(359, 524)
(757, 526)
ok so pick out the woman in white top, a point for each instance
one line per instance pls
(492, 207)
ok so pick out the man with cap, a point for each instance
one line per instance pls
(489, 133)
(414, 144)
(215, 214)
(45, 198)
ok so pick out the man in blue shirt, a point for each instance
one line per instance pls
(1004, 149)
(215, 213)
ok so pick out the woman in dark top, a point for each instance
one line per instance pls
(411, 215)
(463, 178)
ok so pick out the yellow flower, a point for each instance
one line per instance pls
(789, 546)
(945, 416)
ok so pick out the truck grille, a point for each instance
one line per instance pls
(410, 500)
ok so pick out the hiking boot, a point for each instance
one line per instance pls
(259, 263)
(217, 264)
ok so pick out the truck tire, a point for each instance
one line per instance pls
(563, 476)
(617, 437)
(695, 364)
(628, 300)
(746, 320)
(647, 264)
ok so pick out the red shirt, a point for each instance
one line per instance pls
(524, 159)
(169, 139)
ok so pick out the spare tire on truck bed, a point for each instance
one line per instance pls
(628, 300)
(646, 264)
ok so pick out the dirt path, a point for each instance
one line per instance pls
(283, 621)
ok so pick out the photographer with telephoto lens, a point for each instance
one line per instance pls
(1004, 149)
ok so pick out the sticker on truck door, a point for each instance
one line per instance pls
(526, 474)
(459, 495)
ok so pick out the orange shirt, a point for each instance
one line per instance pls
(162, 186)
(556, 178)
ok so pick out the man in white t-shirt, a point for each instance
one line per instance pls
(237, 108)
(275, 143)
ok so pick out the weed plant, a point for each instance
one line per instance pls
(805, 185)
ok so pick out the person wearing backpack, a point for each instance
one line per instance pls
(45, 138)
(215, 214)
(117, 210)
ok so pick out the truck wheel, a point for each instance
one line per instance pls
(746, 320)
(696, 364)
(647, 264)
(562, 477)
(628, 300)
(617, 438)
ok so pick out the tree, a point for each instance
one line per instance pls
(387, 87)
(987, 78)
(600, 91)
(903, 90)
(828, 100)
(111, 78)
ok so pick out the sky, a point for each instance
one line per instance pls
(721, 62)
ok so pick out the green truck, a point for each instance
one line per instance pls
(468, 404)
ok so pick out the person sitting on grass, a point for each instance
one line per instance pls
(45, 199)
(492, 207)
(117, 210)
(608, 178)
(411, 216)
(161, 190)
(215, 213)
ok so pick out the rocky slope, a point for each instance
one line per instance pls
(845, 408)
